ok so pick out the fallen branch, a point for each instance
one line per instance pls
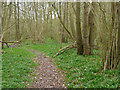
(65, 48)
(6, 42)
(10, 41)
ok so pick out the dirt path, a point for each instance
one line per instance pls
(48, 76)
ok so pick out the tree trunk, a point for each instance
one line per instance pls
(36, 21)
(71, 18)
(64, 17)
(51, 21)
(69, 33)
(66, 40)
(118, 46)
(16, 15)
(1, 28)
(91, 34)
(62, 38)
(111, 60)
(78, 30)
(86, 31)
(18, 32)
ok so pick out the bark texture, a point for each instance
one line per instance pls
(118, 33)
(72, 25)
(86, 31)
(0, 27)
(91, 34)
(63, 35)
(78, 30)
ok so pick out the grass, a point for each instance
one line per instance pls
(81, 72)
(17, 66)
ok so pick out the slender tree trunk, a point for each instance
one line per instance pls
(66, 40)
(8, 20)
(1, 35)
(36, 20)
(69, 33)
(110, 60)
(16, 15)
(44, 16)
(71, 18)
(18, 32)
(64, 17)
(60, 26)
(78, 30)
(0, 18)
(1, 42)
(51, 20)
(91, 34)
(118, 46)
(23, 24)
(112, 57)
(54, 13)
(15, 19)
(5, 15)
(86, 31)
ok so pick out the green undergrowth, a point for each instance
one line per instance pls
(50, 47)
(17, 66)
(80, 71)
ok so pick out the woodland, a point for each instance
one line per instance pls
(60, 44)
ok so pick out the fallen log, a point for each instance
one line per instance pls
(6, 42)
(2, 41)
(73, 45)
(10, 41)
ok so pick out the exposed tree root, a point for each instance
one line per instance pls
(73, 45)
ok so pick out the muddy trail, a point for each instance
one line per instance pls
(48, 76)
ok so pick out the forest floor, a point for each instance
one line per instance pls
(48, 76)
(23, 68)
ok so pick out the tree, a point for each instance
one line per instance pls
(64, 17)
(118, 44)
(78, 30)
(86, 31)
(72, 20)
(69, 33)
(1, 27)
(60, 27)
(107, 21)
(16, 15)
(67, 5)
(92, 26)
(51, 24)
